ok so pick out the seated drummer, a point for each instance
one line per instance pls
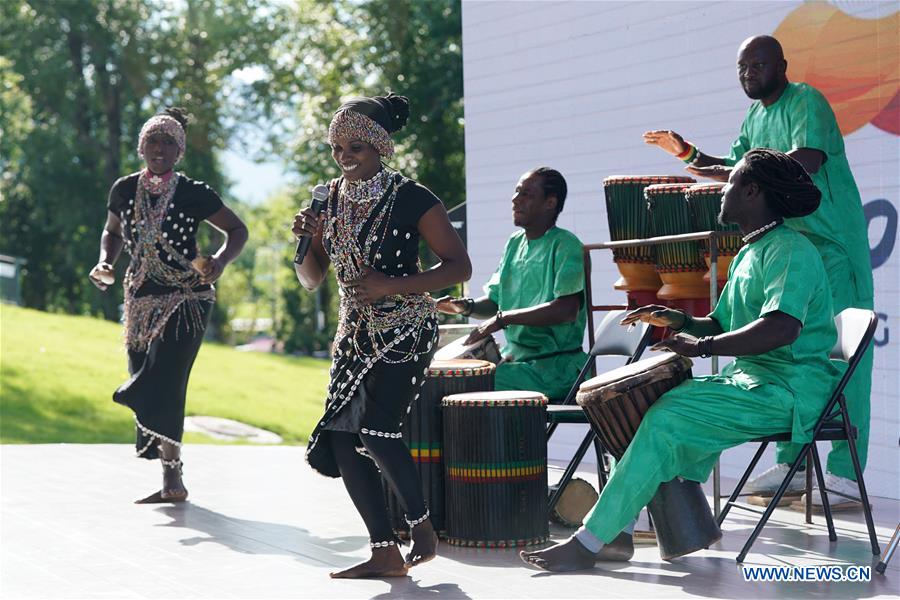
(536, 294)
(774, 316)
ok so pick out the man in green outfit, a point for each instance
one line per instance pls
(774, 315)
(536, 295)
(797, 119)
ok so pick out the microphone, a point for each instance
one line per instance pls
(319, 199)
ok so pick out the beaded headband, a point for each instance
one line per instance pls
(351, 125)
(162, 124)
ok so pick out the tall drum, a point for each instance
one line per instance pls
(495, 462)
(705, 202)
(626, 211)
(615, 404)
(423, 431)
(680, 264)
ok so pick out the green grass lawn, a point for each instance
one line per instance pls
(58, 373)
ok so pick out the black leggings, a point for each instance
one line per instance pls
(363, 482)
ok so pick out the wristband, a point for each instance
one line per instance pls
(704, 346)
(690, 154)
(470, 306)
(498, 318)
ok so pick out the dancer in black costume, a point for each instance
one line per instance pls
(387, 328)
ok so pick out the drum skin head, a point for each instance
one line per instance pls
(624, 378)
(499, 398)
(458, 367)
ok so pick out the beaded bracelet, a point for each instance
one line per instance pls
(499, 319)
(704, 346)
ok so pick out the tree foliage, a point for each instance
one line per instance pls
(79, 77)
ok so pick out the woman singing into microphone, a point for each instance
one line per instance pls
(387, 328)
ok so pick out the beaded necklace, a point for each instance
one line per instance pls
(366, 190)
(758, 232)
(146, 316)
(355, 233)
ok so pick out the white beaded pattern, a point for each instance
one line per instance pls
(382, 544)
(418, 521)
(381, 433)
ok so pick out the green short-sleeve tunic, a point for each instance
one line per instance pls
(802, 118)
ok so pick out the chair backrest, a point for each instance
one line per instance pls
(853, 325)
(856, 328)
(611, 339)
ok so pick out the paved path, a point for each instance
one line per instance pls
(261, 524)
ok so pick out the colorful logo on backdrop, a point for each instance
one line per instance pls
(854, 62)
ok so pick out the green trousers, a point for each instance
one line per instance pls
(682, 435)
(859, 388)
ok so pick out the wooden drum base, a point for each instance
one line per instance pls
(637, 277)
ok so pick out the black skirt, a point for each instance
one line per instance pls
(158, 383)
(371, 397)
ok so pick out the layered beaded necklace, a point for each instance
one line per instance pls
(355, 232)
(146, 316)
(365, 191)
(156, 184)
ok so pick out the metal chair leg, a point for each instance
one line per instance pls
(826, 506)
(795, 466)
(570, 470)
(860, 482)
(888, 552)
(600, 451)
(808, 494)
(740, 484)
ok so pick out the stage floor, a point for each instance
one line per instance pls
(261, 524)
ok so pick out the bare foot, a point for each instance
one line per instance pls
(424, 544)
(620, 549)
(571, 555)
(173, 489)
(385, 562)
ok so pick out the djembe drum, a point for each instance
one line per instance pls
(626, 211)
(679, 264)
(495, 462)
(615, 404)
(483, 349)
(705, 202)
(423, 432)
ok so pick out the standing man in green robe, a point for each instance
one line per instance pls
(536, 295)
(774, 315)
(796, 118)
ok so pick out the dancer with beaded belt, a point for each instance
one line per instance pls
(154, 214)
(387, 327)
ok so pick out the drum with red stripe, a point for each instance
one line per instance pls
(423, 432)
(495, 464)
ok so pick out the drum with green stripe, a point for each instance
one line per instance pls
(423, 431)
(680, 264)
(495, 463)
(626, 212)
(705, 202)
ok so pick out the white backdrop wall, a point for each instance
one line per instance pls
(573, 85)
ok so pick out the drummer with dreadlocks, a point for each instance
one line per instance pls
(774, 316)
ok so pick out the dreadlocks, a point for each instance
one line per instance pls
(789, 190)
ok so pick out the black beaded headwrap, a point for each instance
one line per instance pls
(371, 120)
(790, 191)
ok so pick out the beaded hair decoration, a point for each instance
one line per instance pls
(162, 124)
(349, 124)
